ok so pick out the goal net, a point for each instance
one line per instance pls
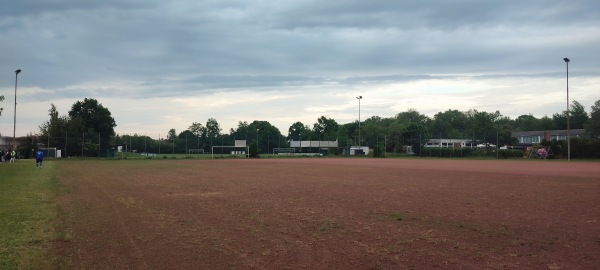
(51, 152)
(195, 151)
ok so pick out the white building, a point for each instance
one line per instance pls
(449, 143)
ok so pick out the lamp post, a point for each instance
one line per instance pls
(359, 98)
(567, 60)
(15, 117)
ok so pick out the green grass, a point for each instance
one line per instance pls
(329, 225)
(28, 216)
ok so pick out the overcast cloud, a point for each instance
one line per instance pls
(158, 65)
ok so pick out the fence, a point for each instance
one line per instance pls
(424, 144)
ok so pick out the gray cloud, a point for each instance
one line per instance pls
(148, 49)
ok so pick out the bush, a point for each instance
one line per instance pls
(253, 151)
(484, 152)
(504, 153)
(580, 147)
(447, 152)
(585, 148)
(556, 147)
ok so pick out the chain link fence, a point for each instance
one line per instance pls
(496, 144)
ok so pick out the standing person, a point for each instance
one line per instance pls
(39, 156)
(1, 155)
(12, 156)
(7, 156)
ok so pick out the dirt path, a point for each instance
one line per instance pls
(332, 214)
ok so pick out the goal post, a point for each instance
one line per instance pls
(236, 150)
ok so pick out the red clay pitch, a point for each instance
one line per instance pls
(330, 213)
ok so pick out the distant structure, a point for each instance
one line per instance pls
(531, 137)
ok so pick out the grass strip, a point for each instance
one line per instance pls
(28, 216)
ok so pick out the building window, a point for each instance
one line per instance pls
(530, 139)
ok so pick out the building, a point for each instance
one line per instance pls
(356, 151)
(448, 143)
(531, 137)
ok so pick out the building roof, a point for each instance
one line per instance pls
(561, 132)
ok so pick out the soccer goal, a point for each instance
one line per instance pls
(196, 151)
(51, 152)
(284, 151)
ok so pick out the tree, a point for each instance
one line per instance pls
(137, 143)
(593, 125)
(373, 133)
(266, 135)
(56, 124)
(526, 122)
(577, 117)
(172, 134)
(62, 132)
(348, 134)
(94, 118)
(241, 132)
(253, 150)
(297, 131)
(414, 135)
(412, 116)
(483, 121)
(212, 128)
(197, 129)
(411, 129)
(559, 120)
(185, 140)
(545, 123)
(394, 137)
(326, 127)
(452, 123)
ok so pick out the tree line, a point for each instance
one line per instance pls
(88, 130)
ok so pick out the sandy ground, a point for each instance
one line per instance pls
(329, 213)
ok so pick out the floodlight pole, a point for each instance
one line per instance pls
(15, 114)
(567, 60)
(359, 98)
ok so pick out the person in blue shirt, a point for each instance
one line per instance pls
(39, 156)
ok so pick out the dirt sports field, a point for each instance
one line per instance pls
(321, 213)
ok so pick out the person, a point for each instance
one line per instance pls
(39, 156)
(1, 155)
(13, 156)
(7, 156)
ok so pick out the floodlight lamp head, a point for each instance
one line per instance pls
(359, 97)
(17, 71)
(566, 60)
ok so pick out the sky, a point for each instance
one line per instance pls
(158, 65)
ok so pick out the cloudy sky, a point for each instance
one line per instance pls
(158, 65)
